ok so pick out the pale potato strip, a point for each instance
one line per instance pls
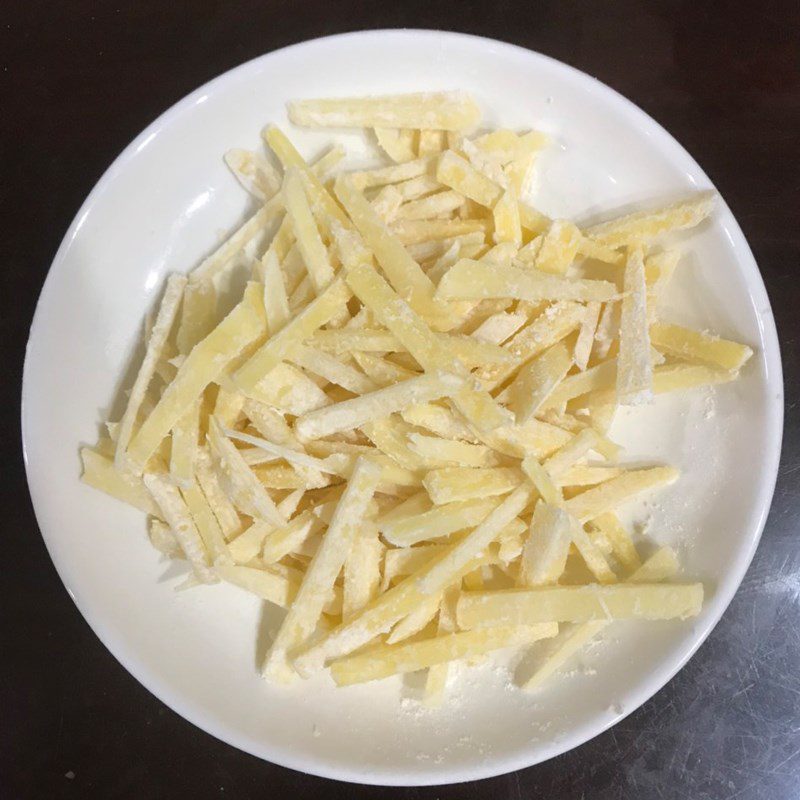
(498, 327)
(321, 574)
(276, 302)
(692, 345)
(451, 452)
(332, 369)
(207, 525)
(651, 601)
(156, 343)
(397, 144)
(559, 247)
(257, 175)
(537, 380)
(634, 366)
(415, 231)
(456, 484)
(507, 226)
(570, 453)
(431, 206)
(622, 489)
(585, 340)
(198, 314)
(99, 472)
(436, 679)
(416, 621)
(385, 660)
(243, 326)
(225, 512)
(452, 111)
(352, 413)
(621, 542)
(545, 551)
(300, 328)
(475, 280)
(361, 340)
(362, 570)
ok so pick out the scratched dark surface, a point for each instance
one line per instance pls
(78, 80)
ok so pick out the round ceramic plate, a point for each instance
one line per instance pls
(165, 202)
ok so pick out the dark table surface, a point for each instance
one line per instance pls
(78, 80)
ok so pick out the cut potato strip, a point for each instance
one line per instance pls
(254, 173)
(198, 314)
(360, 340)
(416, 231)
(386, 660)
(416, 621)
(545, 551)
(332, 369)
(437, 522)
(380, 371)
(439, 420)
(100, 472)
(652, 601)
(436, 679)
(457, 173)
(362, 571)
(623, 547)
(431, 206)
(318, 581)
(353, 413)
(431, 142)
(457, 484)
(537, 380)
(451, 111)
(579, 446)
(497, 328)
(397, 144)
(451, 452)
(156, 345)
(224, 510)
(232, 465)
(206, 524)
(585, 340)
(634, 366)
(697, 346)
(175, 513)
(541, 479)
(475, 280)
(648, 224)
(387, 203)
(313, 316)
(628, 486)
(559, 247)
(587, 475)
(290, 538)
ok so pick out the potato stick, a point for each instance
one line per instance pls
(436, 679)
(452, 111)
(156, 344)
(396, 143)
(424, 183)
(474, 280)
(393, 475)
(698, 346)
(289, 538)
(537, 380)
(308, 239)
(431, 142)
(415, 231)
(473, 352)
(621, 543)
(289, 390)
(323, 166)
(352, 413)
(386, 660)
(300, 328)
(405, 275)
(424, 252)
(634, 367)
(175, 513)
(378, 617)
(247, 545)
(608, 496)
(206, 524)
(419, 340)
(545, 551)
(321, 574)
(224, 510)
(227, 407)
(652, 601)
(235, 469)
(457, 173)
(658, 270)
(587, 475)
(455, 484)
(559, 247)
(243, 326)
(254, 173)
(184, 447)
(276, 584)
(324, 206)
(570, 453)
(292, 455)
(601, 377)
(439, 420)
(362, 571)
(550, 327)
(498, 327)
(332, 369)
(302, 295)
(276, 302)
(585, 340)
(416, 621)
(451, 452)
(437, 522)
(419, 170)
(162, 538)
(214, 264)
(669, 378)
(591, 554)
(432, 205)
(380, 371)
(649, 224)
(534, 438)
(407, 560)
(279, 476)
(99, 471)
(387, 203)
(198, 315)
(389, 436)
(445, 570)
(540, 478)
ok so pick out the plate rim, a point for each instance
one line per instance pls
(114, 640)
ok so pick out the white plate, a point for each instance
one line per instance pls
(162, 206)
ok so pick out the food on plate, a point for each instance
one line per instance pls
(400, 432)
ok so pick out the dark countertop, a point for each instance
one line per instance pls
(79, 80)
